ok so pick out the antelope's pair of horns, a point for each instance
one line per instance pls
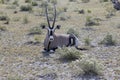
(48, 18)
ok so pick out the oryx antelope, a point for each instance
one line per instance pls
(53, 40)
(116, 4)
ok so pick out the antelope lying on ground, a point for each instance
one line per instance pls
(116, 4)
(53, 40)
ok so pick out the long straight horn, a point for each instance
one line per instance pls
(54, 17)
(46, 11)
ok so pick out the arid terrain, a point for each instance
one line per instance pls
(21, 39)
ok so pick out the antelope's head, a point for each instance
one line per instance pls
(51, 29)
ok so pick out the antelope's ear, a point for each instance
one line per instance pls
(58, 26)
(43, 26)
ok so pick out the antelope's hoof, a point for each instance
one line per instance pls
(52, 51)
(44, 51)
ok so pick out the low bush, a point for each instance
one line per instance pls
(26, 8)
(68, 54)
(91, 21)
(16, 2)
(3, 18)
(53, 1)
(35, 30)
(91, 66)
(72, 0)
(25, 20)
(108, 40)
(3, 28)
(104, 0)
(87, 41)
(85, 1)
(28, 1)
(34, 3)
(73, 31)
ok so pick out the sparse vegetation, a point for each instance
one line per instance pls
(85, 1)
(68, 54)
(35, 30)
(25, 20)
(73, 31)
(43, 4)
(22, 56)
(108, 40)
(3, 17)
(87, 41)
(91, 66)
(26, 8)
(16, 3)
(118, 26)
(110, 12)
(89, 11)
(63, 17)
(91, 21)
(72, 0)
(3, 28)
(28, 1)
(53, 1)
(81, 11)
(104, 0)
(2, 1)
(34, 3)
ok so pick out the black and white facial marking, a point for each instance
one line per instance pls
(51, 32)
(51, 29)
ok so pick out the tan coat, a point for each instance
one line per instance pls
(59, 41)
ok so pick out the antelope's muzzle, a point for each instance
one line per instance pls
(51, 38)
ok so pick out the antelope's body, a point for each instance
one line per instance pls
(116, 4)
(53, 40)
(61, 40)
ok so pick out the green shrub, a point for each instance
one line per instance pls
(35, 30)
(3, 28)
(85, 1)
(110, 12)
(118, 26)
(26, 8)
(104, 0)
(2, 1)
(73, 31)
(63, 17)
(43, 24)
(16, 2)
(28, 1)
(87, 41)
(44, 3)
(34, 3)
(53, 1)
(91, 67)
(11, 7)
(81, 11)
(3, 17)
(68, 54)
(25, 20)
(108, 40)
(89, 11)
(65, 9)
(72, 0)
(91, 21)
(16, 19)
